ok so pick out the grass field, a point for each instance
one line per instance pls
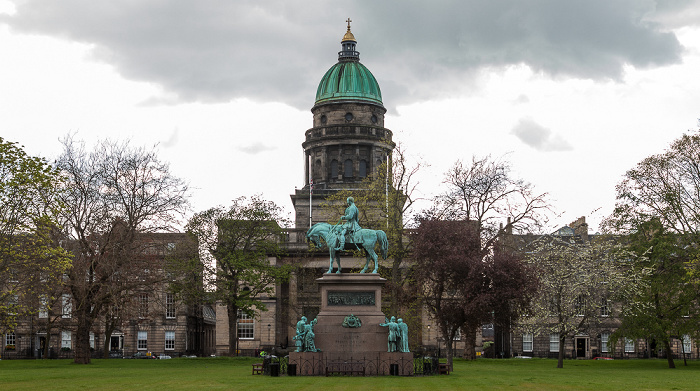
(235, 373)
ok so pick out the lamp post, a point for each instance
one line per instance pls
(268, 334)
(428, 335)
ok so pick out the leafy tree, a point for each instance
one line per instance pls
(666, 304)
(115, 196)
(575, 281)
(31, 260)
(242, 242)
(658, 206)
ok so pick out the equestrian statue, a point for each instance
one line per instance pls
(348, 235)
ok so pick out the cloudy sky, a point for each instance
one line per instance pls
(573, 93)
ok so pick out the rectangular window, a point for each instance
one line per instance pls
(66, 342)
(246, 326)
(604, 308)
(10, 339)
(143, 305)
(66, 306)
(169, 340)
(604, 342)
(687, 344)
(554, 343)
(527, 342)
(169, 306)
(92, 340)
(142, 340)
(43, 307)
(629, 345)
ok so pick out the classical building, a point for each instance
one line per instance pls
(154, 323)
(348, 139)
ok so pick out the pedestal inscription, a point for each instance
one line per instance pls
(352, 298)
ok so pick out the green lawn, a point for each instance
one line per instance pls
(232, 373)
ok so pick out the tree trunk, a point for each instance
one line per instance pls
(109, 328)
(81, 348)
(562, 347)
(470, 342)
(232, 330)
(669, 353)
(47, 344)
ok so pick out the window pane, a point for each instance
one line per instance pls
(246, 326)
(347, 167)
(527, 342)
(554, 342)
(629, 345)
(142, 342)
(66, 339)
(169, 340)
(169, 305)
(687, 344)
(604, 342)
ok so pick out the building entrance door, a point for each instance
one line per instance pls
(581, 347)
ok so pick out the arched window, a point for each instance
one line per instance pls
(347, 167)
(334, 169)
(363, 169)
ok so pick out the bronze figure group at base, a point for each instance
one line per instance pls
(398, 335)
(305, 338)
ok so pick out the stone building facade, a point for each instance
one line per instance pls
(159, 324)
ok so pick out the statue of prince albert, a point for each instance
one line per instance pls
(334, 237)
(351, 225)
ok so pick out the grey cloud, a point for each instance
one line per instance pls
(539, 137)
(215, 50)
(173, 139)
(255, 148)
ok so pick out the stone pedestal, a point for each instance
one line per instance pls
(351, 294)
(346, 349)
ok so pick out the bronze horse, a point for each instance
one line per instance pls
(363, 238)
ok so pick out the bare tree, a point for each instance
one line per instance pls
(113, 195)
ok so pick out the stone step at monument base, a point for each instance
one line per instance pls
(371, 364)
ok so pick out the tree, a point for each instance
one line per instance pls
(486, 194)
(658, 206)
(386, 199)
(666, 303)
(460, 287)
(115, 196)
(576, 280)
(31, 259)
(242, 242)
(444, 252)
(665, 187)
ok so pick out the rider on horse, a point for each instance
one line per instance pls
(351, 217)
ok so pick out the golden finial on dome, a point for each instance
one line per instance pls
(348, 35)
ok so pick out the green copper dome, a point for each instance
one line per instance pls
(348, 80)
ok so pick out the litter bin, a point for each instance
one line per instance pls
(274, 369)
(394, 369)
(291, 369)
